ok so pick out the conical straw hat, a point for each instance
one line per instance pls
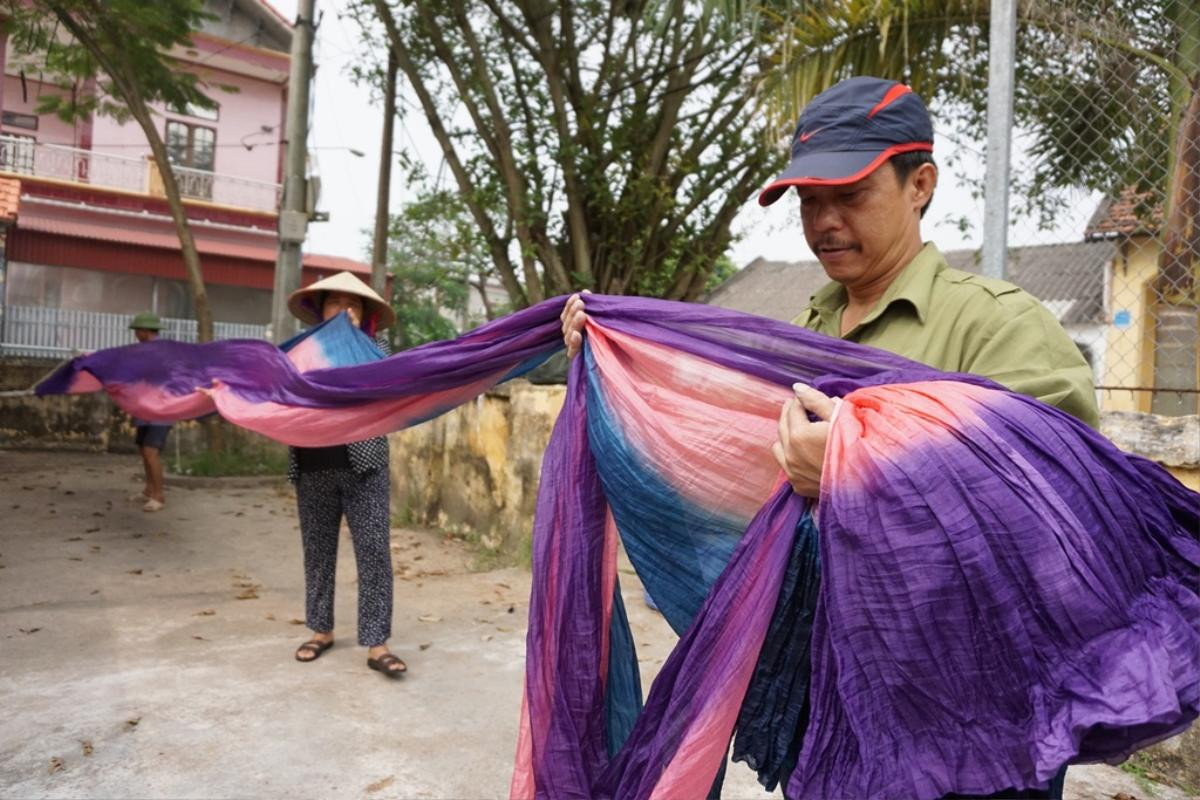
(305, 303)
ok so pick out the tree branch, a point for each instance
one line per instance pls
(496, 246)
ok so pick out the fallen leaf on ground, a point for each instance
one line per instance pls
(294, 621)
(511, 608)
(381, 784)
(130, 724)
(87, 747)
(135, 572)
(75, 539)
(425, 646)
(429, 618)
(97, 513)
(207, 612)
(92, 529)
(69, 491)
(503, 629)
(28, 630)
(95, 548)
(503, 585)
(269, 616)
(56, 764)
(249, 593)
(136, 536)
(487, 637)
(198, 636)
(74, 558)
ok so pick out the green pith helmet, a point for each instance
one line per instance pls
(146, 321)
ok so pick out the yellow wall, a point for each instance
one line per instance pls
(1127, 359)
(1188, 476)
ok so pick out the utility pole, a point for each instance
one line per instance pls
(293, 208)
(1002, 43)
(379, 247)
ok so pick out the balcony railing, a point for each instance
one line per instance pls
(24, 156)
(35, 332)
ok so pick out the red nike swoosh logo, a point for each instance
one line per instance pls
(804, 137)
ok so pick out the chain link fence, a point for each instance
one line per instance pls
(1104, 188)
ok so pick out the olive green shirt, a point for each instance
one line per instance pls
(959, 322)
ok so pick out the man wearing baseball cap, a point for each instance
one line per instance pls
(862, 167)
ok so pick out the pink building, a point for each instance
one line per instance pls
(92, 231)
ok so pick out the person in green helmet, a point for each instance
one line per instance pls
(151, 437)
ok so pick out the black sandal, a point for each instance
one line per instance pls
(384, 664)
(314, 646)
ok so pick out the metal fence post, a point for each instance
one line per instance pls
(1001, 55)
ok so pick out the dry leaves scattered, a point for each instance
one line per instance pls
(380, 785)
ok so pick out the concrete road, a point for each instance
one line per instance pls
(150, 655)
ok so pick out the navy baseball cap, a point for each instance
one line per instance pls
(850, 129)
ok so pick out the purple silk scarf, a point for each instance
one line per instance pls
(1004, 591)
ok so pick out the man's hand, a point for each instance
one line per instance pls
(573, 319)
(800, 450)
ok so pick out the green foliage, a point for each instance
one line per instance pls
(233, 462)
(121, 44)
(723, 270)
(594, 145)
(434, 255)
(1098, 81)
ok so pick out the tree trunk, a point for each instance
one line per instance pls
(214, 435)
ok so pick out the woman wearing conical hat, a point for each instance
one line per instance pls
(348, 480)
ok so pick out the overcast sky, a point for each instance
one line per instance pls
(345, 118)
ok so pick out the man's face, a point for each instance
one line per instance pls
(337, 302)
(859, 231)
(144, 335)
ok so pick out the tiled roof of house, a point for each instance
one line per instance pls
(1126, 215)
(10, 200)
(775, 289)
(1067, 278)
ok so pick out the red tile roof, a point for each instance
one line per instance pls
(1127, 215)
(150, 230)
(10, 200)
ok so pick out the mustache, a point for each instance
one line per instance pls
(832, 243)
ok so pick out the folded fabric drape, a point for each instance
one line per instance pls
(1001, 589)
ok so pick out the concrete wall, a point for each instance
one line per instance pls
(81, 422)
(89, 422)
(1129, 360)
(475, 470)
(1173, 442)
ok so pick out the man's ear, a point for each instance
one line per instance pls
(922, 181)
